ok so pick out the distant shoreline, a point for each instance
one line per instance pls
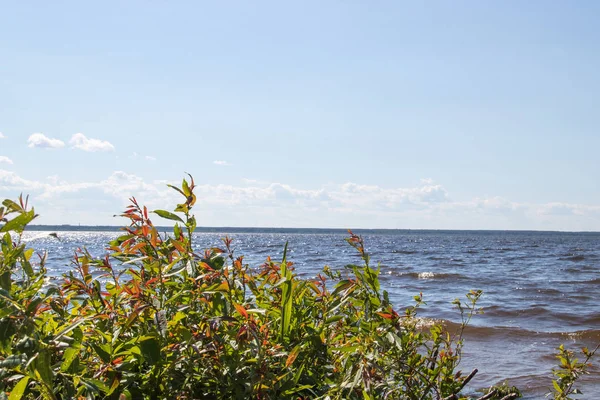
(228, 229)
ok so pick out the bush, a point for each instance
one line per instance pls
(157, 320)
(569, 370)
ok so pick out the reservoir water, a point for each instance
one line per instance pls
(541, 289)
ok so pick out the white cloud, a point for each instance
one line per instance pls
(2, 136)
(392, 198)
(222, 163)
(42, 141)
(150, 158)
(4, 159)
(563, 209)
(256, 203)
(496, 203)
(81, 142)
(122, 184)
(10, 181)
(53, 179)
(118, 186)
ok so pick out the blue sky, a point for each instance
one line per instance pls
(442, 114)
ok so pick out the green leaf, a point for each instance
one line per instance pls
(286, 297)
(11, 206)
(176, 188)
(177, 231)
(182, 208)
(357, 377)
(557, 387)
(150, 349)
(95, 385)
(216, 262)
(27, 268)
(5, 281)
(102, 352)
(333, 319)
(18, 223)
(6, 296)
(168, 215)
(19, 389)
(70, 328)
(192, 223)
(11, 361)
(43, 368)
(32, 306)
(348, 349)
(68, 358)
(186, 188)
(342, 285)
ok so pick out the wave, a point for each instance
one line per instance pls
(498, 311)
(588, 282)
(549, 291)
(404, 251)
(500, 249)
(487, 332)
(542, 313)
(595, 320)
(317, 260)
(573, 258)
(428, 275)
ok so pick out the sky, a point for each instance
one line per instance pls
(339, 114)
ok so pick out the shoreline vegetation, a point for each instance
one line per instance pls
(156, 320)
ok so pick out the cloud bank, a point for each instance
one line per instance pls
(427, 205)
(6, 160)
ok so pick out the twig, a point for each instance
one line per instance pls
(467, 379)
(489, 395)
(510, 396)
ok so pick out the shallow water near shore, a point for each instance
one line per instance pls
(541, 289)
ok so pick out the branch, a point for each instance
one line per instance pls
(489, 395)
(467, 379)
(510, 396)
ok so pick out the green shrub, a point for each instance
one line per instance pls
(157, 320)
(569, 370)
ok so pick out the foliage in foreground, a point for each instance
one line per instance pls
(569, 370)
(157, 319)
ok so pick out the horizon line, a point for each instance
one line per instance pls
(64, 227)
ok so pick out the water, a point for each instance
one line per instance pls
(541, 289)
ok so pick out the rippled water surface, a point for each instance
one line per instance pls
(540, 288)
